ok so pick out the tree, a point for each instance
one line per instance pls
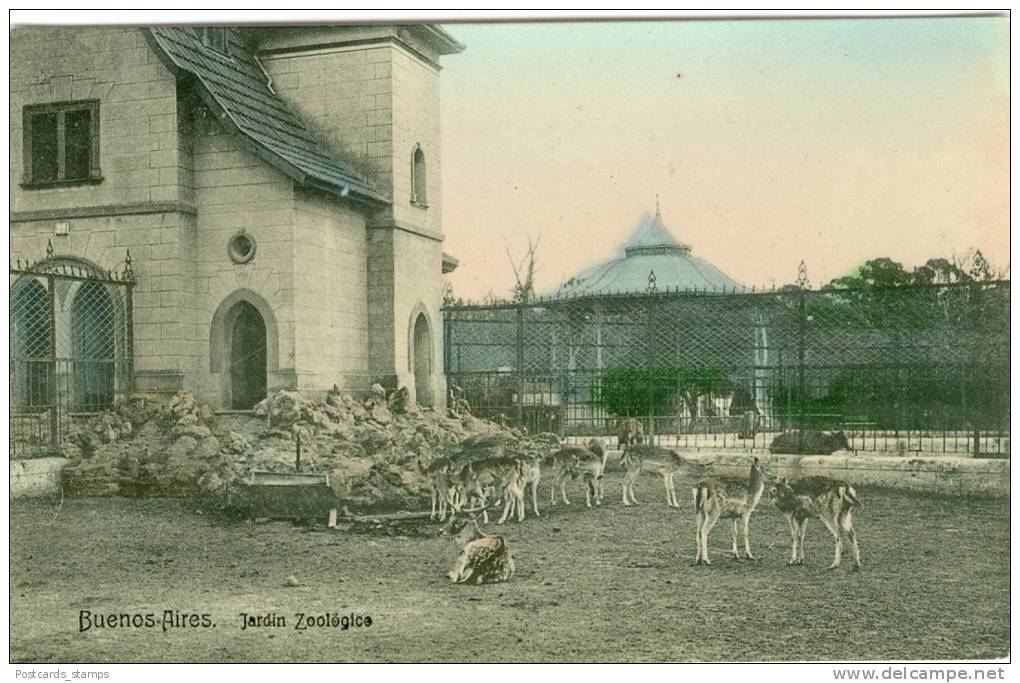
(866, 297)
(880, 272)
(524, 272)
(639, 392)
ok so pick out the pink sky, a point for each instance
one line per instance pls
(831, 141)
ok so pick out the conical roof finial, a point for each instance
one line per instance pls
(658, 213)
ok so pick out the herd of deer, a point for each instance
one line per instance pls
(491, 468)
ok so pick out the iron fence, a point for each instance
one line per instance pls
(908, 369)
(71, 347)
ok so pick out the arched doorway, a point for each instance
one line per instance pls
(93, 347)
(31, 338)
(421, 360)
(247, 356)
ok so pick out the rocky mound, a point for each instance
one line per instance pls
(373, 450)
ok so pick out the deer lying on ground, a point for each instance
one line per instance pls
(572, 462)
(664, 461)
(483, 558)
(831, 501)
(809, 442)
(734, 500)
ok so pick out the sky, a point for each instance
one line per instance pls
(769, 142)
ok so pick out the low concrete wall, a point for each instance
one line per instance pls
(936, 475)
(37, 477)
(42, 476)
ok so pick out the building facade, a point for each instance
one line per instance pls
(277, 188)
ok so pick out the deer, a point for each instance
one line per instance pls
(664, 461)
(748, 425)
(484, 558)
(734, 500)
(503, 472)
(832, 501)
(809, 442)
(573, 461)
(529, 473)
(628, 431)
(438, 475)
(483, 463)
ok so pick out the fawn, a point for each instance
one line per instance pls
(664, 461)
(483, 558)
(573, 461)
(504, 473)
(830, 500)
(527, 472)
(439, 478)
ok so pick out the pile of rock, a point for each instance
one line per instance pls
(373, 450)
(147, 447)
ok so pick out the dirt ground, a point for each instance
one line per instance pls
(609, 584)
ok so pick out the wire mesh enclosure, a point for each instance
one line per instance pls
(71, 347)
(907, 369)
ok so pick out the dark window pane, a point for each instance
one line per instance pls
(219, 39)
(418, 177)
(216, 38)
(44, 146)
(77, 144)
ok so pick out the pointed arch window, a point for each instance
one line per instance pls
(418, 177)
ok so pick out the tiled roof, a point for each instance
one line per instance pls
(236, 88)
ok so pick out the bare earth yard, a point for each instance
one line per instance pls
(609, 584)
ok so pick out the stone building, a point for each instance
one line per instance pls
(277, 187)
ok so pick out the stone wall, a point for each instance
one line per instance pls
(36, 478)
(331, 296)
(932, 475)
(137, 98)
(415, 114)
(234, 191)
(371, 99)
(138, 204)
(417, 288)
(337, 294)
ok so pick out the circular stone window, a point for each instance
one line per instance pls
(241, 247)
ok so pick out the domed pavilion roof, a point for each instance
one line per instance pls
(652, 258)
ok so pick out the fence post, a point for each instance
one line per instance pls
(976, 382)
(446, 342)
(520, 364)
(561, 428)
(976, 393)
(53, 398)
(650, 375)
(801, 378)
(897, 390)
(129, 364)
